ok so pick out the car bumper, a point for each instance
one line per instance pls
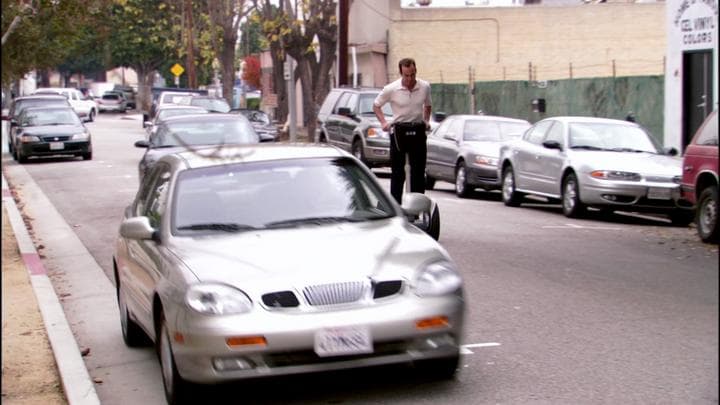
(642, 196)
(104, 108)
(377, 152)
(291, 338)
(43, 149)
(483, 176)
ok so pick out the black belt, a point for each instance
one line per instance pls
(409, 124)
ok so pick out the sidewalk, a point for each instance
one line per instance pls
(41, 362)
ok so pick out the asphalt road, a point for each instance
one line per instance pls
(617, 309)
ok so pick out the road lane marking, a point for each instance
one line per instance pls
(465, 349)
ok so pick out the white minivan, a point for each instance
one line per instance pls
(85, 107)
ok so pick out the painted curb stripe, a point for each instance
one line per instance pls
(33, 264)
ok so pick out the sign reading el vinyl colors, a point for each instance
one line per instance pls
(697, 21)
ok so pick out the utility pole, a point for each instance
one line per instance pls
(190, 61)
(343, 11)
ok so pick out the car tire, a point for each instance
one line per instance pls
(20, 157)
(429, 182)
(571, 205)
(87, 156)
(681, 217)
(444, 368)
(91, 115)
(132, 333)
(510, 196)
(357, 150)
(176, 388)
(706, 216)
(434, 223)
(462, 188)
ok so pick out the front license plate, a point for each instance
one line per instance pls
(343, 341)
(655, 193)
(57, 145)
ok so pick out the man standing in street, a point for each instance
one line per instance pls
(411, 105)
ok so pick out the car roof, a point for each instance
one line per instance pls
(489, 118)
(585, 119)
(211, 116)
(47, 107)
(179, 107)
(40, 96)
(252, 153)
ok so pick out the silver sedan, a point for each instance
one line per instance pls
(276, 259)
(598, 162)
(464, 150)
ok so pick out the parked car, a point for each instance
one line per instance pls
(129, 94)
(192, 131)
(48, 131)
(20, 103)
(346, 120)
(464, 150)
(170, 110)
(198, 270)
(169, 97)
(84, 106)
(155, 93)
(700, 178)
(597, 162)
(112, 101)
(210, 103)
(265, 128)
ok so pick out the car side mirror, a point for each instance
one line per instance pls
(552, 145)
(345, 111)
(137, 228)
(142, 144)
(671, 151)
(147, 124)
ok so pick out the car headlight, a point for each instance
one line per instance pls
(29, 139)
(217, 299)
(374, 132)
(486, 160)
(615, 175)
(438, 278)
(80, 137)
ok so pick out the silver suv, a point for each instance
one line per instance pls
(346, 120)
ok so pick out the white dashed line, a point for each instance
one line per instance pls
(465, 349)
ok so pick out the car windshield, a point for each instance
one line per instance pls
(204, 132)
(49, 117)
(279, 194)
(366, 105)
(256, 116)
(218, 105)
(111, 97)
(613, 137)
(484, 130)
(173, 112)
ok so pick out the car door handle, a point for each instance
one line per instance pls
(688, 168)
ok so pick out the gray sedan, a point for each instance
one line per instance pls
(464, 150)
(585, 161)
(276, 259)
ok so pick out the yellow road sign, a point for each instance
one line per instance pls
(177, 70)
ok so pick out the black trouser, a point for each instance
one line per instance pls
(407, 138)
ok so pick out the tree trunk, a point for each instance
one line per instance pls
(309, 106)
(228, 69)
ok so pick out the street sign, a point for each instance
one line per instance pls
(177, 70)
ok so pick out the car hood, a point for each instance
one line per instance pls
(62, 130)
(486, 148)
(311, 254)
(636, 162)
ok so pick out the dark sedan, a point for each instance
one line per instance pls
(48, 131)
(464, 150)
(192, 131)
(266, 129)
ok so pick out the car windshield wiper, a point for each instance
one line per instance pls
(629, 150)
(310, 221)
(163, 146)
(218, 226)
(588, 147)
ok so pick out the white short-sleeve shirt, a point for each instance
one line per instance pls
(407, 105)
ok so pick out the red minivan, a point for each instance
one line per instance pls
(700, 178)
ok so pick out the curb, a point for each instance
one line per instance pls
(78, 386)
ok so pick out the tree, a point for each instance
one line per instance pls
(251, 74)
(144, 39)
(226, 15)
(292, 31)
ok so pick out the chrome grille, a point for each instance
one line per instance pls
(336, 293)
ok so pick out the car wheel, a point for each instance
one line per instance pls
(132, 334)
(706, 217)
(462, 188)
(510, 196)
(91, 116)
(444, 368)
(20, 157)
(357, 150)
(176, 388)
(87, 156)
(571, 205)
(429, 182)
(322, 138)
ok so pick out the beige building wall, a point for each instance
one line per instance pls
(530, 42)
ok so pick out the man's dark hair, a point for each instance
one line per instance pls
(406, 62)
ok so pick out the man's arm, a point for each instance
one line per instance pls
(381, 117)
